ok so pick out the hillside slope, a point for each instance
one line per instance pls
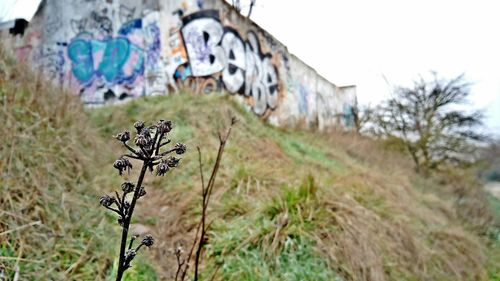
(287, 205)
(295, 205)
(50, 226)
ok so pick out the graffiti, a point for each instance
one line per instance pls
(130, 27)
(52, 26)
(213, 49)
(115, 59)
(202, 34)
(52, 59)
(327, 113)
(107, 66)
(155, 68)
(199, 3)
(261, 76)
(152, 42)
(178, 54)
(302, 99)
(78, 26)
(108, 52)
(126, 13)
(98, 23)
(115, 63)
(234, 74)
(101, 23)
(347, 115)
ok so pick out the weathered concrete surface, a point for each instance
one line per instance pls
(107, 51)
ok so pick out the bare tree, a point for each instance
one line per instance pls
(428, 122)
(489, 164)
(362, 116)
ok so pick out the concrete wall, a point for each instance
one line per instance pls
(106, 51)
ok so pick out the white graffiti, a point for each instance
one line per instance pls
(211, 49)
(233, 75)
(201, 38)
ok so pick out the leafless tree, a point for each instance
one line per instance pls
(362, 116)
(428, 121)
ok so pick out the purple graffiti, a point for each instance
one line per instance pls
(244, 69)
(152, 38)
(116, 60)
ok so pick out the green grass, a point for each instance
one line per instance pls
(287, 204)
(49, 154)
(140, 271)
(271, 239)
(495, 204)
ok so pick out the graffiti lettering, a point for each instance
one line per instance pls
(117, 60)
(201, 38)
(233, 75)
(51, 58)
(98, 23)
(126, 13)
(213, 49)
(156, 82)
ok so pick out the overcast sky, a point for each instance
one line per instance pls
(361, 42)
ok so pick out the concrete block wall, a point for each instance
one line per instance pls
(108, 51)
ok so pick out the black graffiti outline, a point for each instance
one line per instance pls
(266, 86)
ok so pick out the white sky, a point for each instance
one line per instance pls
(359, 42)
(14, 9)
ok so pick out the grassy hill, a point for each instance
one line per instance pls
(287, 205)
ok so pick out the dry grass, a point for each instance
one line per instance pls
(49, 229)
(370, 217)
(287, 205)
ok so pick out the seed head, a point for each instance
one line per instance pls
(121, 164)
(139, 125)
(148, 241)
(123, 136)
(130, 255)
(126, 206)
(178, 251)
(106, 200)
(164, 126)
(173, 162)
(141, 192)
(162, 168)
(143, 138)
(180, 148)
(127, 187)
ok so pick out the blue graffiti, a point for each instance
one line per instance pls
(130, 26)
(117, 59)
(183, 72)
(302, 97)
(200, 4)
(348, 115)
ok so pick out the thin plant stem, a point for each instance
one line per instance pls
(206, 194)
(126, 223)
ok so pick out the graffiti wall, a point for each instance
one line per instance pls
(108, 51)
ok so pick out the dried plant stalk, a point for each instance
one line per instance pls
(148, 142)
